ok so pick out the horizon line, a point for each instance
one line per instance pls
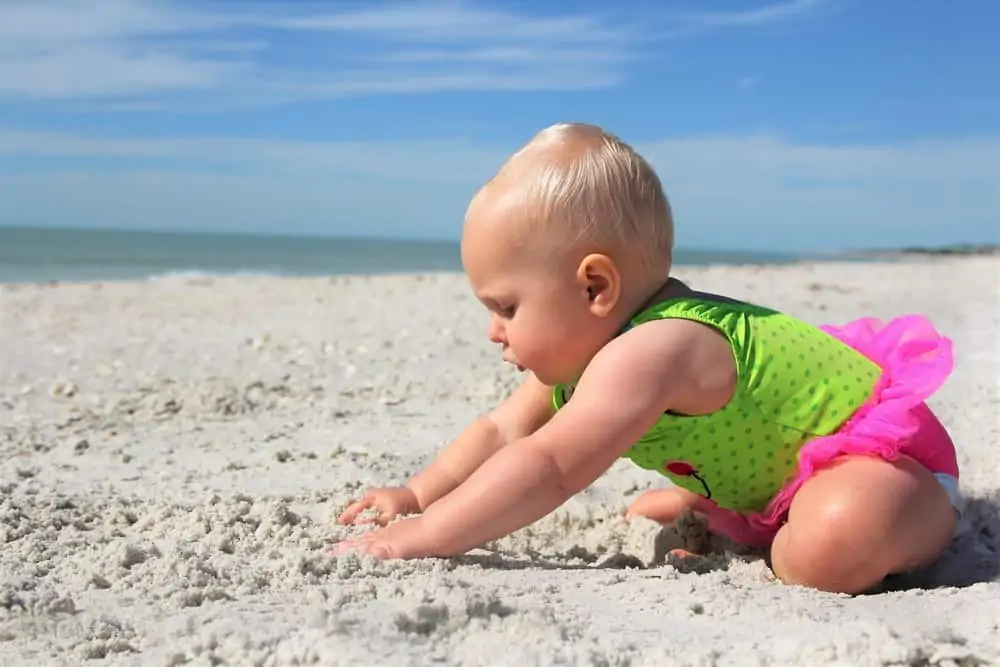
(438, 240)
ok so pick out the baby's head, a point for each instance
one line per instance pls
(570, 237)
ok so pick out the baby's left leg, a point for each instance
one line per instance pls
(861, 519)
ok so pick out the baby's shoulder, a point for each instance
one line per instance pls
(653, 364)
(684, 365)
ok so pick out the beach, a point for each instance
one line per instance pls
(175, 451)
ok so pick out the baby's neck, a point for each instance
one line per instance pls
(668, 290)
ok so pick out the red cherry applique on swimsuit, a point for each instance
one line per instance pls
(685, 469)
(680, 468)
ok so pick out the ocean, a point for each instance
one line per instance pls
(73, 255)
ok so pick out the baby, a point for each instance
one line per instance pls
(812, 441)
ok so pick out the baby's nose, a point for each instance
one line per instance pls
(495, 331)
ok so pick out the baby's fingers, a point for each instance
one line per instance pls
(347, 546)
(365, 545)
(383, 517)
(354, 509)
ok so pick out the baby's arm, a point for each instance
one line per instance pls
(624, 390)
(522, 413)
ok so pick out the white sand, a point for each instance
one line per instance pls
(174, 453)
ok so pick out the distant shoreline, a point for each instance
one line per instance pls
(957, 250)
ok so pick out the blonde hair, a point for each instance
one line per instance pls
(589, 180)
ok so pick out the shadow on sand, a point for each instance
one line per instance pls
(688, 534)
(973, 557)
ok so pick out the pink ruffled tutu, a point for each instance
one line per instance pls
(895, 421)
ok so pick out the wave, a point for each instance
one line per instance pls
(205, 275)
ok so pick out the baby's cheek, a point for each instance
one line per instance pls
(533, 346)
(554, 342)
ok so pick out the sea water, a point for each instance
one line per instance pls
(71, 255)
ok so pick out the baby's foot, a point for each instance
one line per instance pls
(685, 561)
(663, 506)
(685, 533)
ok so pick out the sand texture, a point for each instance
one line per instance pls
(174, 452)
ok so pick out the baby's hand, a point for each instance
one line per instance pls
(390, 502)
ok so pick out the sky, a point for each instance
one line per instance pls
(781, 125)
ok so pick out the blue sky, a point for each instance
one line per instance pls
(790, 124)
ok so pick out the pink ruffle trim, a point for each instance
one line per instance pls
(915, 360)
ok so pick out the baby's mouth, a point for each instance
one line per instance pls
(518, 366)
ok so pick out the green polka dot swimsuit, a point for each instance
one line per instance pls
(795, 382)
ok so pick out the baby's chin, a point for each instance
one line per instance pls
(550, 376)
(550, 380)
(524, 369)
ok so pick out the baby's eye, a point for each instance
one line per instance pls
(507, 311)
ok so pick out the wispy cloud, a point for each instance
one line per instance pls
(440, 160)
(765, 15)
(458, 21)
(727, 190)
(138, 54)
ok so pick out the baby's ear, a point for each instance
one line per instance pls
(599, 276)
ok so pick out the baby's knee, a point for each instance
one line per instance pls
(824, 552)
